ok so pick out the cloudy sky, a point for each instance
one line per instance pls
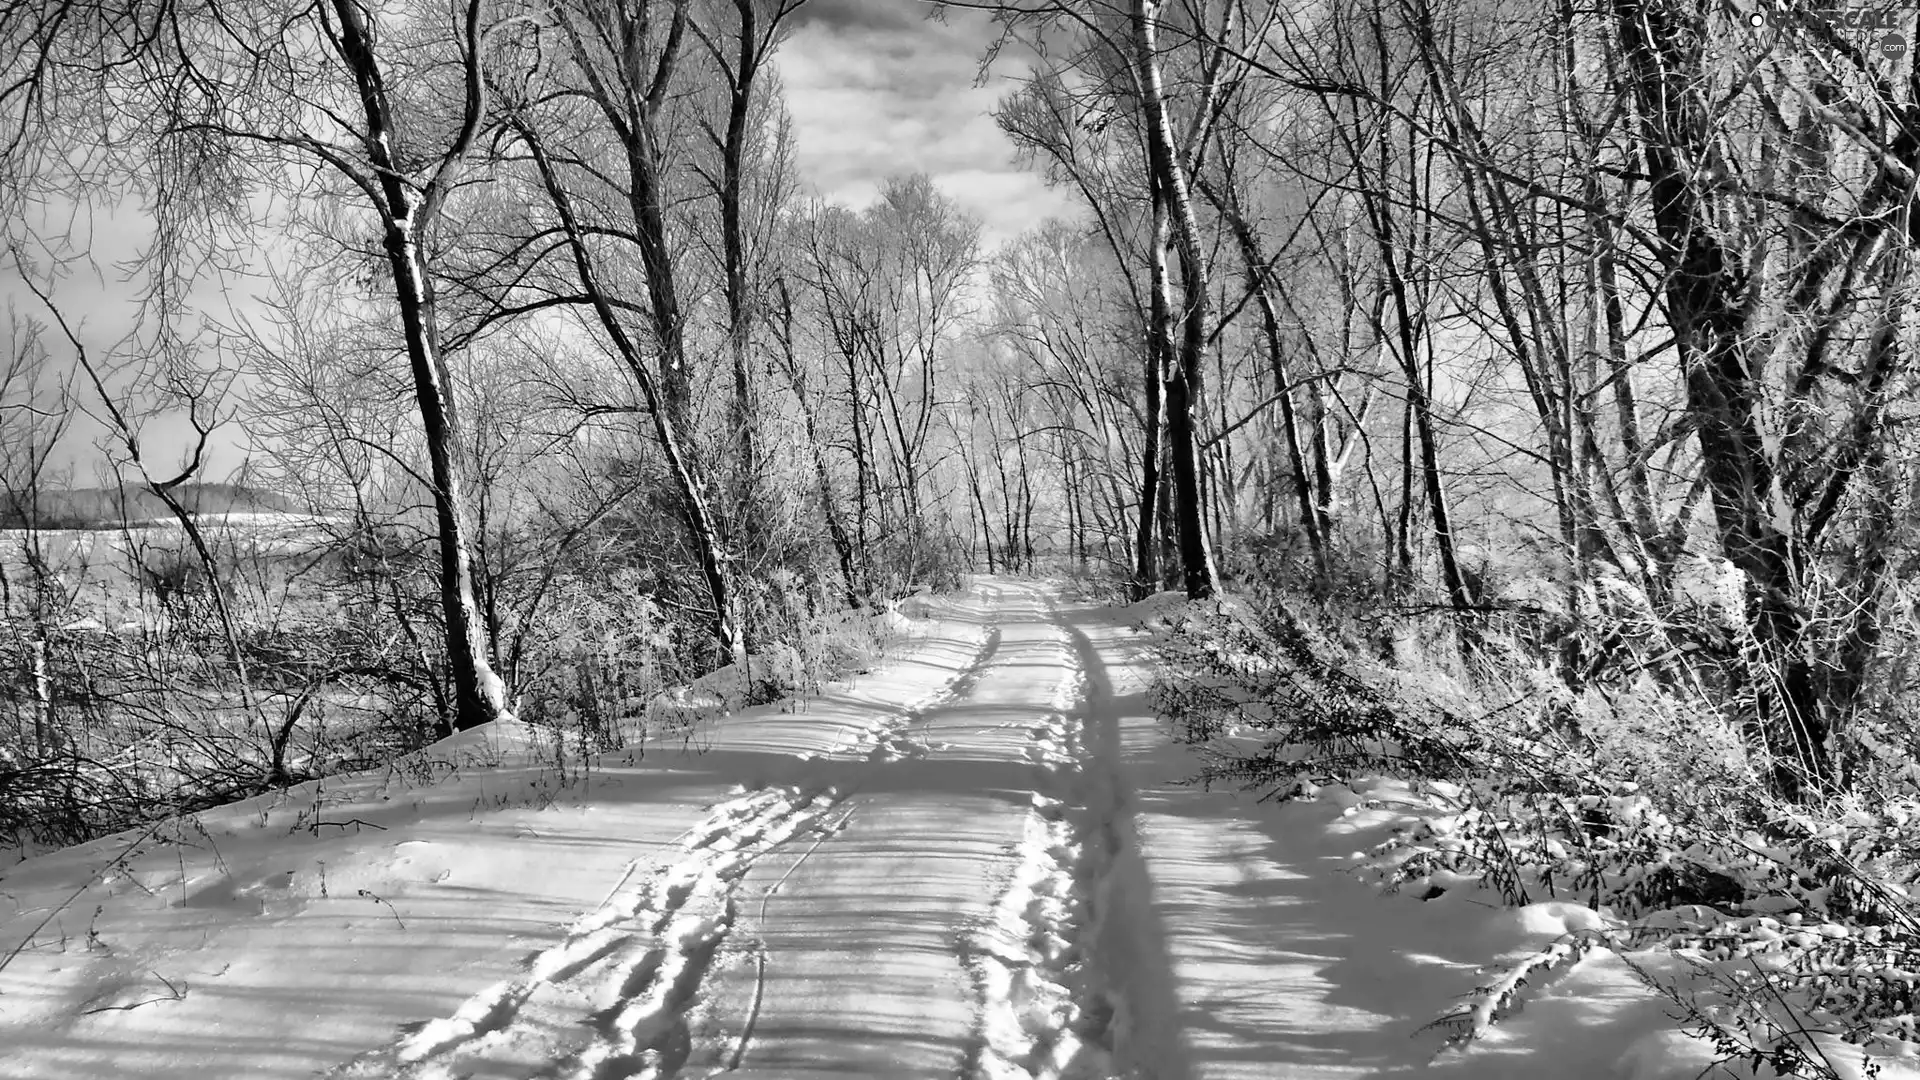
(877, 88)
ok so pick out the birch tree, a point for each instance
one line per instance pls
(246, 98)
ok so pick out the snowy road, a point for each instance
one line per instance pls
(901, 880)
(905, 899)
(973, 863)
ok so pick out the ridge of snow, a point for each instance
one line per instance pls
(1041, 1015)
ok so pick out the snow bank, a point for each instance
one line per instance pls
(719, 694)
(850, 642)
(1155, 612)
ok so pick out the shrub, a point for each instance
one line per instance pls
(1631, 787)
(598, 652)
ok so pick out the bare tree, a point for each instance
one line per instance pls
(248, 93)
(1043, 119)
(627, 63)
(741, 43)
(889, 288)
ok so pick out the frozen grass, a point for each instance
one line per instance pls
(120, 701)
(1780, 938)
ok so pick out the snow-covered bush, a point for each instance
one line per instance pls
(602, 648)
(1778, 929)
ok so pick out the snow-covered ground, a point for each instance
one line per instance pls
(263, 532)
(975, 862)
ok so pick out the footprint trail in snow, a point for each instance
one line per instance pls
(610, 998)
(1044, 1013)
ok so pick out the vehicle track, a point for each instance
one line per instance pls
(890, 738)
(1044, 1012)
(612, 998)
(630, 968)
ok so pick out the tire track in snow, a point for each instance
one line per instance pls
(1043, 1012)
(891, 737)
(623, 1054)
(632, 968)
(644, 1032)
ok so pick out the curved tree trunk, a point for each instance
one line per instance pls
(478, 694)
(698, 513)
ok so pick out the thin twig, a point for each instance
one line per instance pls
(174, 993)
(378, 899)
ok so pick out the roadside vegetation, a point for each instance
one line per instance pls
(126, 700)
(1583, 759)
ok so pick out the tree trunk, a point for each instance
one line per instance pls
(478, 695)
(743, 413)
(1147, 574)
(1410, 334)
(862, 460)
(1304, 483)
(43, 729)
(1400, 556)
(1706, 300)
(1146, 568)
(986, 520)
(854, 581)
(645, 199)
(1186, 375)
(695, 508)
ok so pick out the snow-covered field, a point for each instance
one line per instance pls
(976, 861)
(261, 532)
(99, 567)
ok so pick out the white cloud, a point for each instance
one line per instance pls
(875, 93)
